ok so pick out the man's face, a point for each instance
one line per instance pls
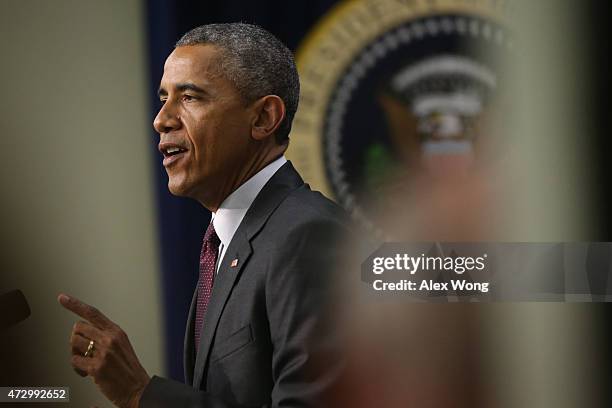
(204, 125)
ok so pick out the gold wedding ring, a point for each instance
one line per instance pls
(90, 349)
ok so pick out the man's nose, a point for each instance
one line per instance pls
(167, 119)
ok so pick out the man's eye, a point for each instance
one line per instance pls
(189, 98)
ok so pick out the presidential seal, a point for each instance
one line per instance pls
(393, 88)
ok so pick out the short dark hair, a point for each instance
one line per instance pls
(256, 62)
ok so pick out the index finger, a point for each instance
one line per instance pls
(87, 312)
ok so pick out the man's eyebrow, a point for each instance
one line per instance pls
(182, 87)
(188, 86)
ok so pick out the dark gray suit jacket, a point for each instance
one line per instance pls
(267, 340)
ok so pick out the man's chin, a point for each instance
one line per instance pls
(177, 189)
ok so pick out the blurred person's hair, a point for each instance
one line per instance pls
(256, 62)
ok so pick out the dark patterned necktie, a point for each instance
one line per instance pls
(208, 261)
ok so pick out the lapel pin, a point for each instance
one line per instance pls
(234, 263)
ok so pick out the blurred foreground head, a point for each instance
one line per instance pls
(479, 153)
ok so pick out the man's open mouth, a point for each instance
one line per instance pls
(172, 151)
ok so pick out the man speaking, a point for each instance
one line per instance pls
(257, 321)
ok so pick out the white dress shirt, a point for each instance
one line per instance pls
(232, 210)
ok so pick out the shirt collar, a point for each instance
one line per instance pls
(232, 210)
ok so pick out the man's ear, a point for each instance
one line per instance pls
(269, 113)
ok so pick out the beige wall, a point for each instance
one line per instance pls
(77, 206)
(549, 168)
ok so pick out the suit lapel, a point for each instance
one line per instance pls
(239, 248)
(274, 192)
(188, 346)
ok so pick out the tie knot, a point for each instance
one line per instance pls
(211, 237)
